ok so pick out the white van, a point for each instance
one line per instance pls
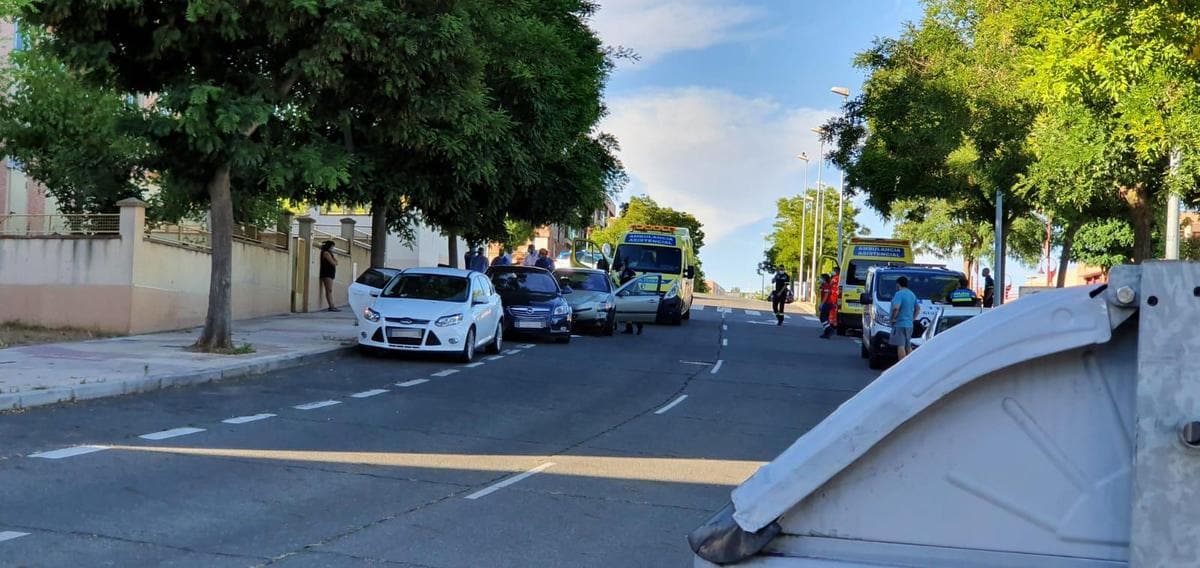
(930, 284)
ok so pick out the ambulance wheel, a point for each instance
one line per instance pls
(874, 360)
(841, 331)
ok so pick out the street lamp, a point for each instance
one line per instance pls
(845, 94)
(818, 213)
(804, 199)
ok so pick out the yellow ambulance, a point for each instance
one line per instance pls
(859, 256)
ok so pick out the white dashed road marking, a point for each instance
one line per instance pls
(810, 318)
(725, 343)
(473, 365)
(412, 383)
(753, 313)
(67, 452)
(527, 346)
(724, 311)
(509, 481)
(316, 405)
(673, 404)
(495, 358)
(370, 393)
(512, 351)
(696, 363)
(172, 433)
(717, 367)
(9, 535)
(724, 327)
(445, 373)
(251, 418)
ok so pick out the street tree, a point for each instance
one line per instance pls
(795, 227)
(224, 77)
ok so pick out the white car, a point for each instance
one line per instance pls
(442, 310)
(944, 318)
(367, 287)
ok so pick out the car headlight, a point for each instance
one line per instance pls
(604, 306)
(447, 321)
(370, 315)
(672, 293)
(882, 317)
(562, 310)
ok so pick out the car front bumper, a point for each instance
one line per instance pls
(380, 335)
(592, 318)
(545, 325)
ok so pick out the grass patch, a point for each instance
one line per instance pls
(243, 349)
(13, 333)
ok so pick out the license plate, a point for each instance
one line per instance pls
(530, 324)
(404, 333)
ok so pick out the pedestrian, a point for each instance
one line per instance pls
(328, 273)
(504, 258)
(989, 289)
(602, 263)
(531, 256)
(835, 296)
(467, 257)
(905, 310)
(779, 295)
(544, 260)
(627, 275)
(963, 295)
(478, 262)
(826, 306)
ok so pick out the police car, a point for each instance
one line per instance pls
(932, 286)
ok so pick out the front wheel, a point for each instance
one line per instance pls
(610, 327)
(563, 340)
(874, 359)
(468, 352)
(688, 314)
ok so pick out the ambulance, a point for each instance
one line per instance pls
(663, 256)
(860, 255)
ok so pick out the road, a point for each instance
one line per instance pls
(604, 452)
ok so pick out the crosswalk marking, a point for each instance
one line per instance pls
(753, 313)
(9, 535)
(67, 452)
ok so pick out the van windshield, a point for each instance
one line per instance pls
(856, 270)
(645, 258)
(927, 286)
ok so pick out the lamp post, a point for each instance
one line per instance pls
(845, 94)
(818, 216)
(803, 215)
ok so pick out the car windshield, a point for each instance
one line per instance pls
(927, 286)
(588, 281)
(535, 282)
(948, 322)
(645, 258)
(856, 271)
(438, 287)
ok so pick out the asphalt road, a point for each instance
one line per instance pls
(604, 452)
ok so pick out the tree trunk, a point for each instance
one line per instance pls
(379, 231)
(969, 270)
(453, 249)
(218, 324)
(1142, 219)
(1064, 259)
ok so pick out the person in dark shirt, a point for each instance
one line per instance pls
(544, 260)
(328, 273)
(779, 295)
(963, 295)
(989, 289)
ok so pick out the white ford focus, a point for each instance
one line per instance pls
(443, 310)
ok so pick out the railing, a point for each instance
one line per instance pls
(85, 225)
(197, 235)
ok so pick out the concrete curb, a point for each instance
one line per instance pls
(104, 388)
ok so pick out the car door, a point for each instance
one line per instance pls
(638, 299)
(366, 288)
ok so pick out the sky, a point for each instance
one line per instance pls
(712, 115)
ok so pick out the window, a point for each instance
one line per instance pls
(18, 38)
(644, 258)
(428, 287)
(376, 277)
(588, 281)
(927, 286)
(856, 271)
(525, 282)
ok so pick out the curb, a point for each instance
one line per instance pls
(103, 389)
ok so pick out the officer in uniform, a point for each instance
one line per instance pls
(963, 295)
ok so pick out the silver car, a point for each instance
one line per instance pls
(591, 298)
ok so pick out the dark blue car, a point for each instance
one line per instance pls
(533, 302)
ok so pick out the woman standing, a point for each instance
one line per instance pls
(328, 271)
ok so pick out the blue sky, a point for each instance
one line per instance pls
(712, 116)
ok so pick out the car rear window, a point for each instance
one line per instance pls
(588, 281)
(926, 285)
(529, 282)
(376, 277)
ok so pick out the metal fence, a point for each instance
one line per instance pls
(85, 225)
(197, 235)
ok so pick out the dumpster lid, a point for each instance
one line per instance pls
(1033, 327)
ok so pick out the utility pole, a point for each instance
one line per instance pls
(998, 265)
(841, 200)
(818, 209)
(1172, 233)
(803, 217)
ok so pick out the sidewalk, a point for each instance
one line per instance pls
(37, 375)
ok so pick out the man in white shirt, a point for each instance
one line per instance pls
(531, 256)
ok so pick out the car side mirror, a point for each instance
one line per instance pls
(691, 272)
(864, 300)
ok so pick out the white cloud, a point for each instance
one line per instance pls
(721, 156)
(654, 28)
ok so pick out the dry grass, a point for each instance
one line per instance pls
(14, 333)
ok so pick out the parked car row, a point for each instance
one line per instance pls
(448, 310)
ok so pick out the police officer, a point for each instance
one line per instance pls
(963, 296)
(779, 296)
